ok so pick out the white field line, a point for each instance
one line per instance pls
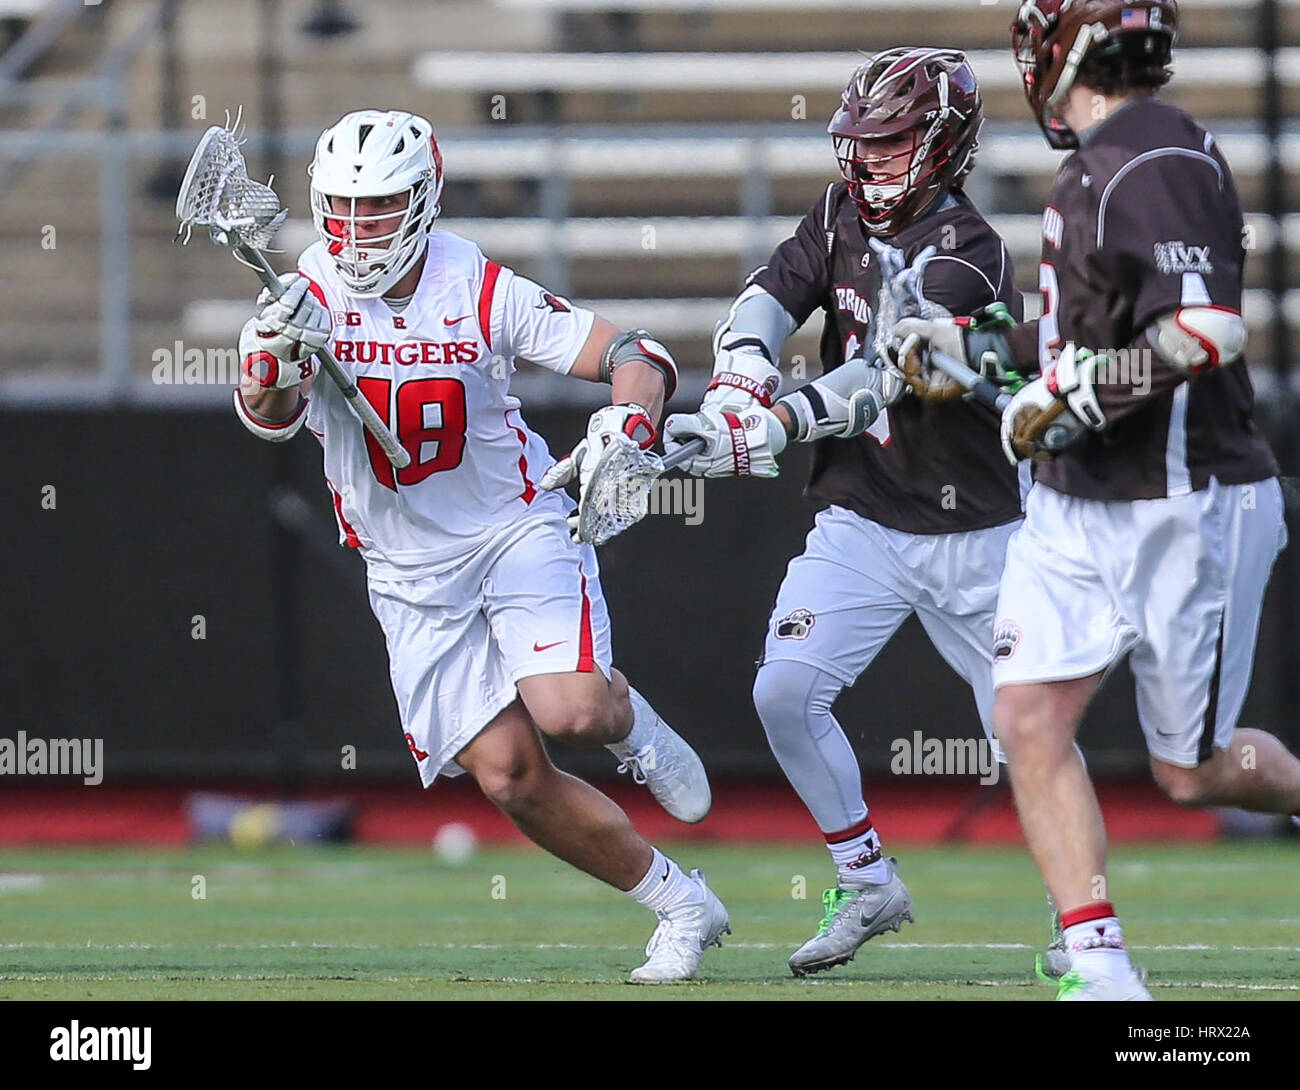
(18, 978)
(1170, 947)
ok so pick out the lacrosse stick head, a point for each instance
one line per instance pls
(890, 261)
(218, 194)
(618, 494)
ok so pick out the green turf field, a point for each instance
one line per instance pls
(366, 923)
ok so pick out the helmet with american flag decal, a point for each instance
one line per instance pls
(1053, 38)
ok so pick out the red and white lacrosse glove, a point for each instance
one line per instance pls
(277, 345)
(626, 422)
(736, 444)
(262, 367)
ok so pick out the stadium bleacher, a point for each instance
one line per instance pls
(701, 119)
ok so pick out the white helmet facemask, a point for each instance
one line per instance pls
(370, 154)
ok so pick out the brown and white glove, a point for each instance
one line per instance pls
(977, 341)
(1053, 411)
(743, 376)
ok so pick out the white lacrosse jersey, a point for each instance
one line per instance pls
(438, 373)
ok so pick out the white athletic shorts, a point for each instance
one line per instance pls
(527, 602)
(857, 581)
(1179, 582)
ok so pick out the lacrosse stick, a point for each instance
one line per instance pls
(618, 494)
(901, 297)
(218, 194)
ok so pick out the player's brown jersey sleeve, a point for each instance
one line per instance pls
(972, 276)
(1022, 343)
(798, 274)
(1169, 234)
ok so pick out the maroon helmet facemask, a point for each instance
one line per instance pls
(906, 131)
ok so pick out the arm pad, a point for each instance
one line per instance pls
(276, 431)
(1198, 339)
(638, 344)
(841, 404)
(754, 316)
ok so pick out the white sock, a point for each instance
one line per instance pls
(665, 885)
(644, 720)
(1097, 948)
(859, 862)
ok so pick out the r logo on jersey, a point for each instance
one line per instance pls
(416, 751)
(795, 625)
(556, 304)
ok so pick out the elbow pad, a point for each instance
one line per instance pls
(275, 431)
(843, 403)
(638, 344)
(1198, 339)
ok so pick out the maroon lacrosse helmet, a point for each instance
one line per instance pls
(1052, 38)
(927, 95)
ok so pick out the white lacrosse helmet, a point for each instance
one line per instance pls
(376, 153)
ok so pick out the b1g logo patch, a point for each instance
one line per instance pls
(1006, 638)
(795, 625)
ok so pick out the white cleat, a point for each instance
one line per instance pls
(1054, 962)
(674, 951)
(1077, 987)
(852, 916)
(669, 767)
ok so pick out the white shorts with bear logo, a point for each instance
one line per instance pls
(857, 581)
(1179, 582)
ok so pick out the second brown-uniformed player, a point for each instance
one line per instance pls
(1153, 525)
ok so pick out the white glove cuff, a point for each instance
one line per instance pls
(275, 431)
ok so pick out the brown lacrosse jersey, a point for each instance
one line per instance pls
(1144, 219)
(925, 467)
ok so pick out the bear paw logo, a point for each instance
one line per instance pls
(795, 625)
(1006, 637)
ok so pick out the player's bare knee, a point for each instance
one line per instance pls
(1032, 718)
(1190, 787)
(512, 783)
(581, 723)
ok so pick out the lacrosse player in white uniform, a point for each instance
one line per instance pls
(494, 618)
